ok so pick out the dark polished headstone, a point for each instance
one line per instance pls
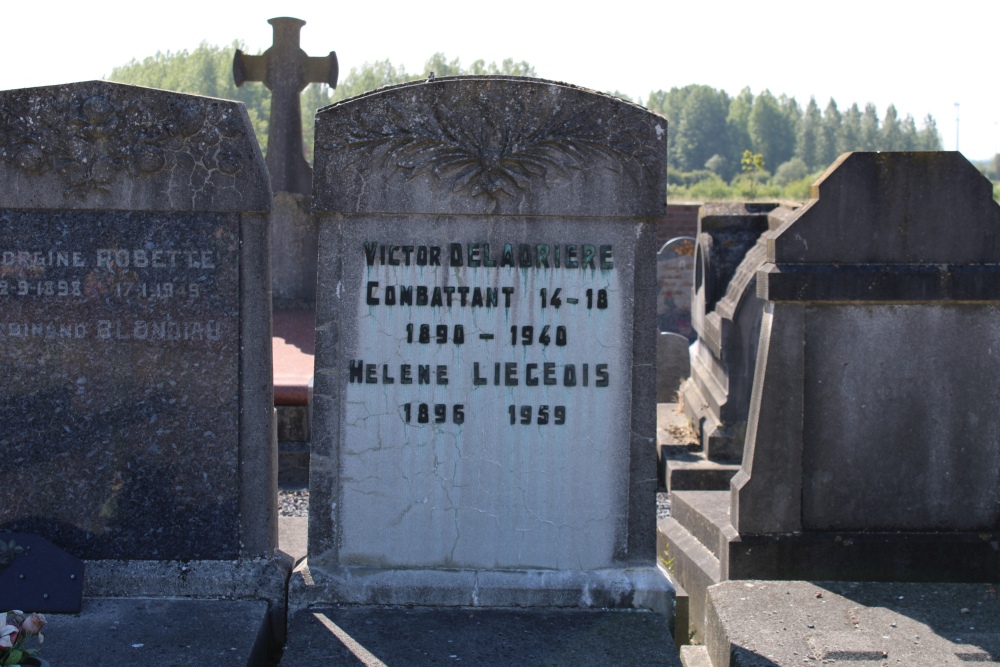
(135, 329)
(726, 314)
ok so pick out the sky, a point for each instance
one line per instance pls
(941, 60)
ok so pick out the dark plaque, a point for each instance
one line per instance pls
(38, 576)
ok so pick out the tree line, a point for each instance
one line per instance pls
(208, 70)
(709, 131)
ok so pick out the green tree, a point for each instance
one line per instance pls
(908, 134)
(771, 129)
(370, 76)
(849, 136)
(809, 136)
(701, 128)
(738, 128)
(793, 170)
(826, 146)
(792, 111)
(928, 138)
(509, 67)
(441, 66)
(869, 137)
(891, 134)
(752, 164)
(669, 104)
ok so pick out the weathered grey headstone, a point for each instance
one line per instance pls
(716, 398)
(675, 276)
(673, 365)
(872, 445)
(135, 338)
(726, 315)
(484, 401)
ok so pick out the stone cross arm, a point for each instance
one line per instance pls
(316, 69)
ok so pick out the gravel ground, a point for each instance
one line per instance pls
(295, 502)
(662, 506)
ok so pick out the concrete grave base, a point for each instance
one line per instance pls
(706, 550)
(633, 588)
(779, 623)
(159, 633)
(254, 581)
(332, 636)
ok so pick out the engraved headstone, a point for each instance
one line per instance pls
(485, 387)
(675, 276)
(871, 450)
(135, 335)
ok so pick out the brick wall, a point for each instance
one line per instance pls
(681, 220)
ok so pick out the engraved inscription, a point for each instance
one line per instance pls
(485, 358)
(119, 349)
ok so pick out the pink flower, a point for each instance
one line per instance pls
(8, 636)
(33, 624)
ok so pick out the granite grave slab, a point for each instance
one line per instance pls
(135, 338)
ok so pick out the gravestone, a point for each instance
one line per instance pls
(872, 445)
(675, 276)
(286, 70)
(673, 365)
(726, 315)
(485, 381)
(135, 339)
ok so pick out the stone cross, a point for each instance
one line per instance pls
(286, 70)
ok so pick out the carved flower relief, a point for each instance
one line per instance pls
(484, 154)
(97, 118)
(30, 158)
(89, 139)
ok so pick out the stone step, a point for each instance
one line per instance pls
(791, 623)
(423, 636)
(693, 566)
(159, 632)
(705, 514)
(694, 655)
(684, 470)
